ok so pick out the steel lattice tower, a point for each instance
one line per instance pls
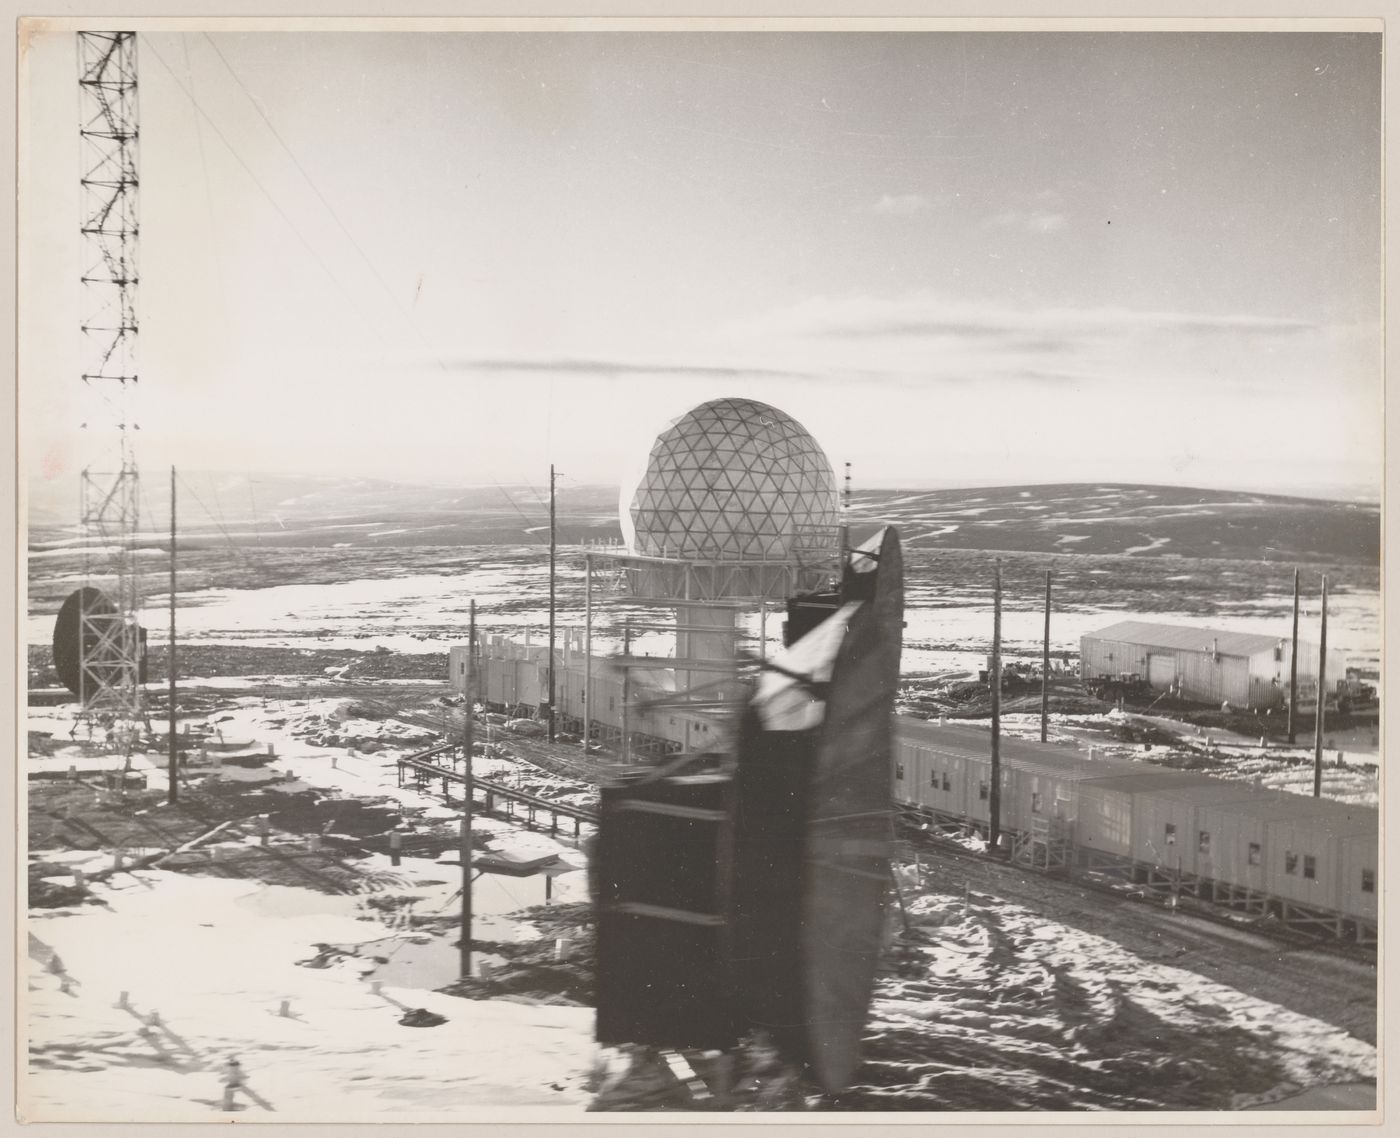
(109, 634)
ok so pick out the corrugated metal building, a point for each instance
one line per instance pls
(1206, 664)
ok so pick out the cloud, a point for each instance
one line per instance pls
(963, 345)
(897, 327)
(1035, 221)
(899, 205)
(1182, 322)
(605, 368)
(991, 324)
(1056, 378)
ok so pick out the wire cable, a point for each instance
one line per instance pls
(330, 209)
(514, 504)
(282, 213)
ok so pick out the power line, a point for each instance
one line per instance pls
(292, 225)
(514, 505)
(330, 209)
(238, 552)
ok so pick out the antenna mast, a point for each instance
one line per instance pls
(109, 637)
(846, 516)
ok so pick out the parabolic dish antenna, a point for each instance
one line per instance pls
(67, 651)
(815, 824)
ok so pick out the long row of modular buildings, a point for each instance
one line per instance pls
(1310, 862)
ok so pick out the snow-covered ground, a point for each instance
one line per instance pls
(215, 959)
(947, 624)
(1274, 767)
(1009, 1009)
(1005, 1009)
(289, 726)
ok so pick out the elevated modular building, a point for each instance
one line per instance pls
(1209, 665)
(513, 678)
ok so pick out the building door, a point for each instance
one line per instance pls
(1161, 671)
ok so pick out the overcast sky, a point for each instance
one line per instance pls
(956, 258)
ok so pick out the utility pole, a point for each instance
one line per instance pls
(1293, 671)
(1045, 668)
(587, 648)
(626, 695)
(466, 833)
(174, 747)
(1321, 717)
(994, 676)
(549, 703)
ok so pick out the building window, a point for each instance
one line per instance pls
(982, 790)
(899, 771)
(1203, 842)
(1171, 834)
(462, 668)
(1290, 862)
(1035, 802)
(1368, 881)
(1256, 853)
(1309, 867)
(933, 779)
(947, 781)
(612, 703)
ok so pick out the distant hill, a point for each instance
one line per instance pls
(1107, 518)
(1099, 518)
(297, 510)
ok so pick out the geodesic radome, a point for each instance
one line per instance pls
(734, 480)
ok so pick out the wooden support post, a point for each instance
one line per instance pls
(1293, 670)
(994, 678)
(587, 649)
(465, 961)
(1045, 667)
(1320, 720)
(549, 698)
(174, 788)
(395, 848)
(626, 696)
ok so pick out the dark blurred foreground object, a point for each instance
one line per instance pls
(752, 898)
(665, 918)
